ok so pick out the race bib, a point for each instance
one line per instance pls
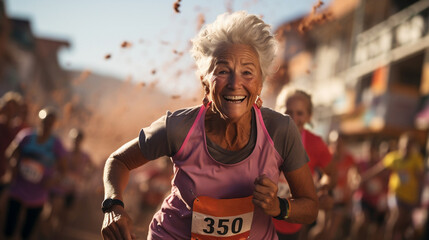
(221, 218)
(31, 170)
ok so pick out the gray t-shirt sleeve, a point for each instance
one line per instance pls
(165, 136)
(286, 138)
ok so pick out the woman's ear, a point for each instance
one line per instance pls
(205, 84)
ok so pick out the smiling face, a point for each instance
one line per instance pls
(236, 80)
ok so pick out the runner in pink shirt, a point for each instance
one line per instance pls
(37, 152)
(227, 154)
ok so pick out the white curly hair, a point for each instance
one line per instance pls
(235, 28)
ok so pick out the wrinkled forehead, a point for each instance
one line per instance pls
(227, 52)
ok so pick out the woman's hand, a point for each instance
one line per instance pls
(117, 225)
(265, 196)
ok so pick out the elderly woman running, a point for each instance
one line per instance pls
(227, 153)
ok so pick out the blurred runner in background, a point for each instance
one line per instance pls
(9, 110)
(406, 166)
(72, 186)
(347, 181)
(34, 155)
(370, 200)
(298, 105)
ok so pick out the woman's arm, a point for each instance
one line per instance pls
(372, 172)
(117, 223)
(304, 202)
(12, 155)
(118, 166)
(12, 151)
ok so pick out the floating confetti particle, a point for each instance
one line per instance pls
(176, 6)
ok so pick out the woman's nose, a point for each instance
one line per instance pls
(234, 80)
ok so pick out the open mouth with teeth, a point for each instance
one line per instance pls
(234, 99)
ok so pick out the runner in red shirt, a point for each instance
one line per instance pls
(299, 106)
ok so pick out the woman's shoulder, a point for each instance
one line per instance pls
(183, 115)
(274, 119)
(56, 139)
(25, 134)
(393, 154)
(27, 131)
(279, 126)
(176, 127)
(391, 157)
(188, 112)
(286, 138)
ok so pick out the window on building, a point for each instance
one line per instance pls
(406, 74)
(362, 88)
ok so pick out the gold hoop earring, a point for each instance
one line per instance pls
(258, 102)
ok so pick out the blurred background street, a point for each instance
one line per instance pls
(110, 68)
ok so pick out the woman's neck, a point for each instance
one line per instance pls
(230, 135)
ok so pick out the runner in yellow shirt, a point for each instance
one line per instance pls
(406, 174)
(406, 166)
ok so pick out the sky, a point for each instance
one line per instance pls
(157, 49)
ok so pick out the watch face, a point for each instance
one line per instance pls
(107, 203)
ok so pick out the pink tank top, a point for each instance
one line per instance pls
(196, 174)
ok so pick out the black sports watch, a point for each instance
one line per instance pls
(108, 203)
(284, 209)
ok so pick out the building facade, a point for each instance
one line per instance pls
(29, 64)
(367, 67)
